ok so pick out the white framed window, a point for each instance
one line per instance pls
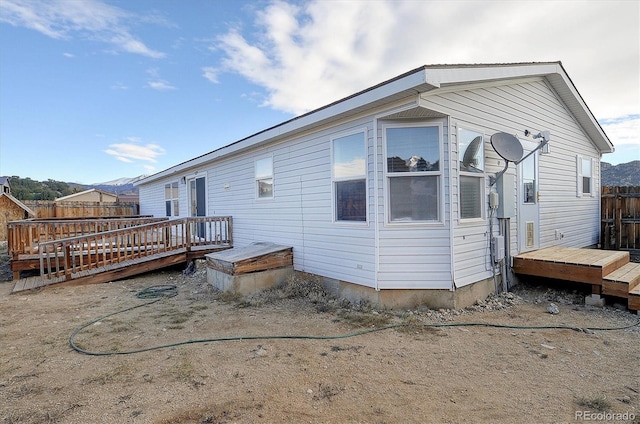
(585, 168)
(349, 170)
(413, 172)
(471, 185)
(264, 178)
(171, 199)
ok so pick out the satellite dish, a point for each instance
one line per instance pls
(469, 157)
(507, 146)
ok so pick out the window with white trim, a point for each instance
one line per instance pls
(171, 196)
(349, 169)
(585, 181)
(413, 172)
(264, 178)
(471, 187)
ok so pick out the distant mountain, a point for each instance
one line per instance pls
(121, 181)
(624, 174)
(118, 186)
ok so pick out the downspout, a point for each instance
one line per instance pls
(599, 192)
(376, 224)
(451, 238)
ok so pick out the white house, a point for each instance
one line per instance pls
(386, 193)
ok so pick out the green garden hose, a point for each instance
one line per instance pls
(167, 291)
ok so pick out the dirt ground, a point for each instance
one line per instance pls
(409, 373)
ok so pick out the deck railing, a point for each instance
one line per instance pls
(24, 237)
(62, 259)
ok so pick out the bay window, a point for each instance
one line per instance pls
(471, 186)
(413, 172)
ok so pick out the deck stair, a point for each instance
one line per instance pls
(97, 257)
(609, 273)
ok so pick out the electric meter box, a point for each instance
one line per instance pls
(505, 186)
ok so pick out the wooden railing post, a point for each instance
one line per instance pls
(68, 265)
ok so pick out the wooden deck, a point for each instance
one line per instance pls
(111, 255)
(608, 272)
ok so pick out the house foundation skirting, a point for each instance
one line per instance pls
(411, 298)
(248, 283)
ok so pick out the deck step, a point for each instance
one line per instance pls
(622, 281)
(587, 266)
(634, 299)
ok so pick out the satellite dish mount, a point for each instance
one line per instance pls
(509, 148)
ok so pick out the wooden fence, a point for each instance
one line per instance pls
(51, 209)
(620, 226)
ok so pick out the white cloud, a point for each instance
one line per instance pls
(88, 19)
(131, 152)
(308, 55)
(210, 73)
(623, 131)
(160, 85)
(69, 55)
(119, 86)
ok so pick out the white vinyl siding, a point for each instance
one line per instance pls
(511, 108)
(300, 213)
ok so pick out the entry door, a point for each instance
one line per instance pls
(528, 206)
(197, 202)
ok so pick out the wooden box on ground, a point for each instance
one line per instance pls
(248, 269)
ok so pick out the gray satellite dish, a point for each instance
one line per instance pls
(469, 157)
(507, 146)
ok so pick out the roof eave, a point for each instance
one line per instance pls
(416, 81)
(405, 85)
(569, 94)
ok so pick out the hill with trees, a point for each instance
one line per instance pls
(28, 189)
(624, 174)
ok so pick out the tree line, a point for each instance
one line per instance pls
(28, 189)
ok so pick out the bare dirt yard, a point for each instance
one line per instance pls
(409, 373)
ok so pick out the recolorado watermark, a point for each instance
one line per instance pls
(604, 416)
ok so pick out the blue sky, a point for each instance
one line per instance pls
(91, 91)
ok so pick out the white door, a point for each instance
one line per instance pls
(197, 202)
(528, 210)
